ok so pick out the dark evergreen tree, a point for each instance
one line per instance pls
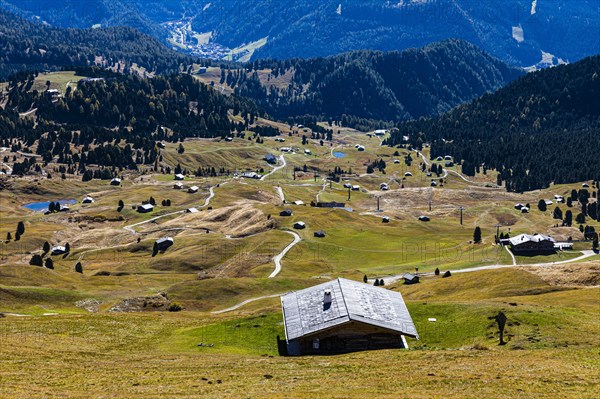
(36, 260)
(477, 235)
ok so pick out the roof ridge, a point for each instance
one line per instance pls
(344, 298)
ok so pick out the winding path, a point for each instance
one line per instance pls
(280, 192)
(276, 168)
(511, 255)
(247, 301)
(585, 255)
(277, 258)
(206, 203)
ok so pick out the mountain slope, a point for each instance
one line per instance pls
(542, 128)
(115, 107)
(377, 85)
(308, 29)
(519, 32)
(25, 45)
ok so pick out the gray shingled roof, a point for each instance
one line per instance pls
(520, 239)
(304, 313)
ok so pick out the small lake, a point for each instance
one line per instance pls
(42, 206)
(339, 154)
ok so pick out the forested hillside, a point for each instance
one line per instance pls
(376, 85)
(26, 45)
(84, 14)
(542, 128)
(515, 31)
(115, 120)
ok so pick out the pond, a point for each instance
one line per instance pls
(42, 206)
(338, 154)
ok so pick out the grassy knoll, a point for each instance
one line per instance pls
(58, 81)
(550, 351)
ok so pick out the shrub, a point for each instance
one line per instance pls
(175, 307)
(36, 260)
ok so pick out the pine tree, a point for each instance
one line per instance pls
(477, 235)
(568, 218)
(78, 267)
(21, 228)
(46, 247)
(36, 260)
(558, 213)
(542, 205)
(49, 264)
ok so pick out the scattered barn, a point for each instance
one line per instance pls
(355, 188)
(307, 151)
(145, 208)
(408, 174)
(344, 316)
(191, 210)
(537, 244)
(87, 200)
(319, 234)
(193, 189)
(164, 243)
(424, 218)
(384, 186)
(271, 159)
(115, 182)
(385, 219)
(347, 185)
(410, 278)
(524, 210)
(433, 183)
(519, 206)
(562, 246)
(64, 208)
(299, 225)
(58, 250)
(286, 212)
(251, 175)
(178, 176)
(331, 204)
(178, 186)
